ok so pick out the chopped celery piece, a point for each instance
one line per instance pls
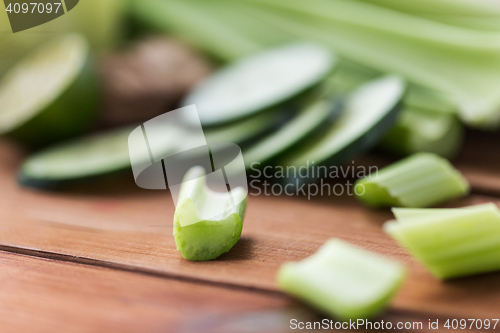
(424, 131)
(207, 223)
(343, 281)
(421, 180)
(450, 242)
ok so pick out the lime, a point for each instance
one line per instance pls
(51, 94)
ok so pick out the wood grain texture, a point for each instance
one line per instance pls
(117, 225)
(39, 295)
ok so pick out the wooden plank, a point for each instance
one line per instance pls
(479, 160)
(39, 295)
(118, 225)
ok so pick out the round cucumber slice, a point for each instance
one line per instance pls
(248, 130)
(312, 119)
(51, 94)
(370, 111)
(259, 82)
(91, 156)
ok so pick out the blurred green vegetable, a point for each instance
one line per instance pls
(424, 131)
(459, 61)
(368, 113)
(450, 242)
(421, 180)
(99, 21)
(50, 95)
(259, 82)
(83, 158)
(343, 281)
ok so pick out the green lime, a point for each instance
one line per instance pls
(50, 95)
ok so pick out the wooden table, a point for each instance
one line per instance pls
(101, 257)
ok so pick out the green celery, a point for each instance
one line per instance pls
(470, 76)
(421, 180)
(207, 223)
(486, 8)
(343, 281)
(424, 131)
(376, 18)
(187, 20)
(469, 22)
(450, 242)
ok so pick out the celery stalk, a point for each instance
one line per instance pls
(421, 180)
(457, 61)
(486, 8)
(470, 76)
(243, 25)
(190, 22)
(424, 131)
(423, 98)
(343, 281)
(450, 242)
(469, 22)
(207, 223)
(376, 18)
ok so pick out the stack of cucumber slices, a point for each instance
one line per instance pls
(275, 104)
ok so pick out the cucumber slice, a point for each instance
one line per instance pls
(259, 82)
(248, 130)
(107, 152)
(207, 223)
(370, 111)
(343, 281)
(92, 156)
(310, 120)
(50, 95)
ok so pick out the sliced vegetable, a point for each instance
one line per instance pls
(248, 130)
(314, 117)
(50, 95)
(369, 112)
(88, 157)
(259, 82)
(424, 131)
(421, 180)
(207, 223)
(450, 242)
(343, 281)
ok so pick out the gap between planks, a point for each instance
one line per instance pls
(131, 269)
